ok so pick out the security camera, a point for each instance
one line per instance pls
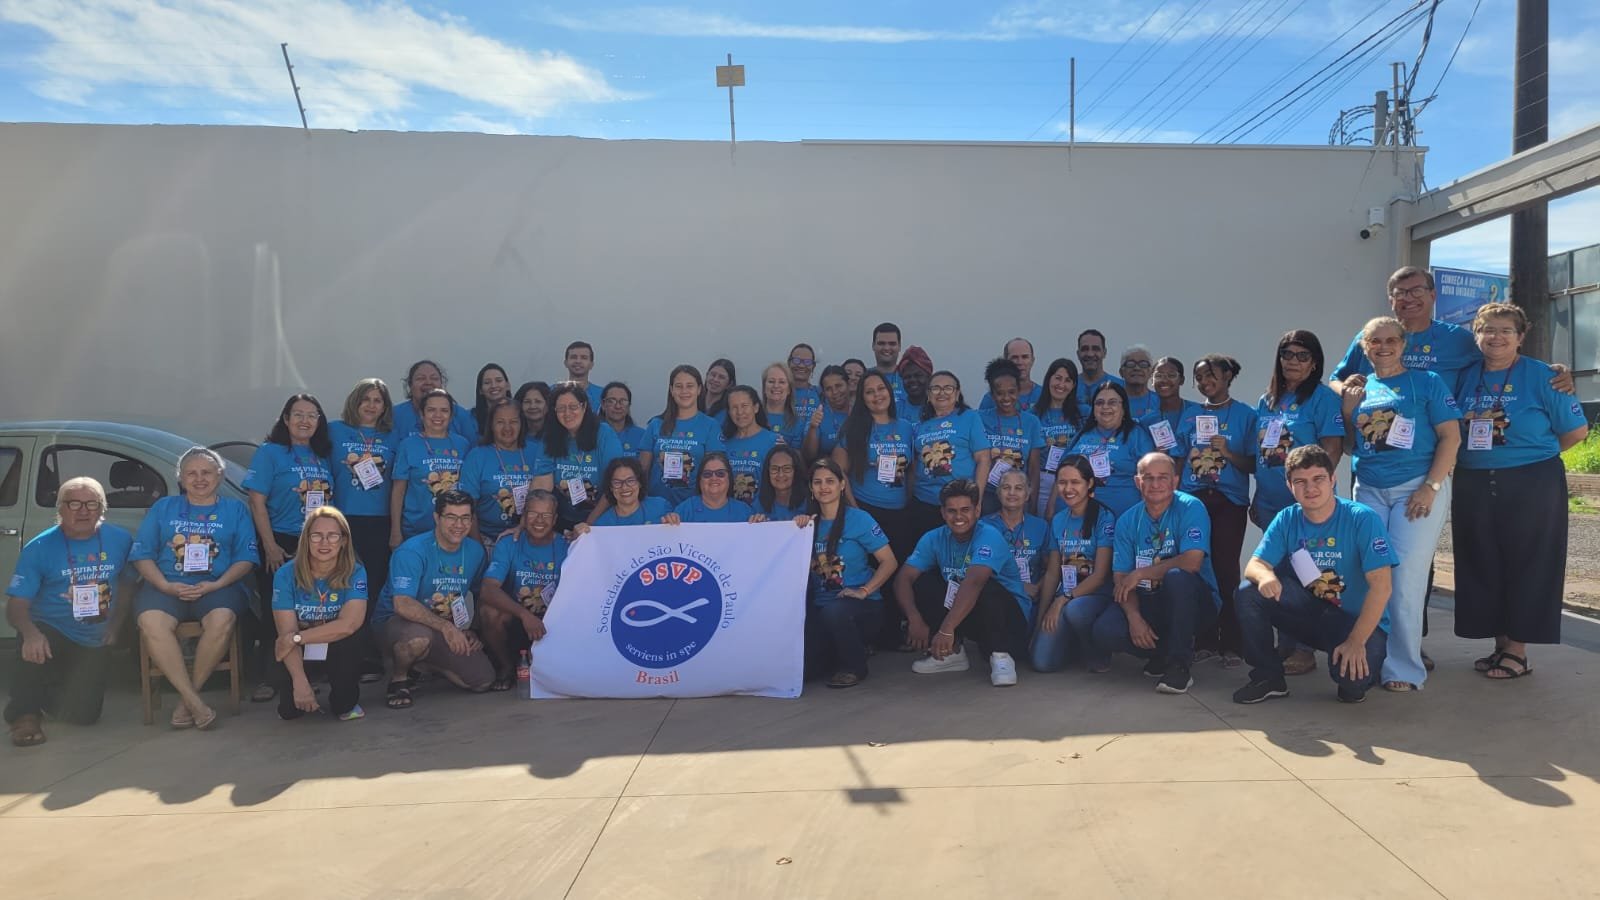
(1367, 232)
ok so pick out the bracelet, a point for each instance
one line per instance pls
(949, 634)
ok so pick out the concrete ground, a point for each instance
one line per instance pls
(1068, 784)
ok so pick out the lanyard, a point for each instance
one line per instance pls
(322, 596)
(434, 454)
(508, 471)
(1158, 529)
(1015, 537)
(367, 443)
(72, 561)
(1500, 390)
(294, 454)
(461, 559)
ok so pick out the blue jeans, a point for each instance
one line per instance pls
(1074, 628)
(1299, 616)
(1413, 544)
(837, 631)
(1175, 609)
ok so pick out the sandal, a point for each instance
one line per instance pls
(263, 693)
(844, 680)
(204, 722)
(502, 683)
(181, 717)
(1522, 668)
(1427, 662)
(1485, 663)
(25, 731)
(399, 696)
(1399, 687)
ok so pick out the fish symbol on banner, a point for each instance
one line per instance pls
(667, 612)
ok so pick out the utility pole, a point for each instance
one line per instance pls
(730, 76)
(1530, 228)
(294, 84)
(1072, 100)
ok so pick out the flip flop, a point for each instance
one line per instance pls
(25, 731)
(1399, 687)
(1511, 674)
(844, 680)
(205, 722)
(263, 693)
(181, 717)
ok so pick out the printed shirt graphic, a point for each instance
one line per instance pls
(1116, 491)
(1528, 415)
(634, 440)
(806, 400)
(944, 447)
(1078, 549)
(1183, 527)
(745, 457)
(1012, 438)
(1203, 467)
(939, 550)
(320, 602)
(1444, 349)
(585, 466)
(1350, 544)
(791, 433)
(421, 570)
(650, 511)
(224, 528)
(283, 475)
(527, 572)
(893, 439)
(491, 476)
(1029, 542)
(1055, 431)
(50, 565)
(849, 567)
(694, 509)
(1419, 396)
(352, 444)
(408, 424)
(1302, 424)
(429, 467)
(1025, 399)
(692, 437)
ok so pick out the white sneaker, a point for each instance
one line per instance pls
(1002, 670)
(955, 662)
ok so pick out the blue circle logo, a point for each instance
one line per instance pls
(666, 613)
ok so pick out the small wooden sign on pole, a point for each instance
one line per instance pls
(730, 76)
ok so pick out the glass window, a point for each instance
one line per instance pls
(1586, 330)
(1561, 330)
(1559, 268)
(1586, 266)
(10, 475)
(129, 483)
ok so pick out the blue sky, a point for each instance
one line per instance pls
(1174, 71)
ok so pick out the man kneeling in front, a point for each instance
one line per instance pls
(1321, 577)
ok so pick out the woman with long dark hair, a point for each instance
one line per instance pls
(1060, 420)
(822, 430)
(580, 449)
(616, 410)
(949, 444)
(423, 377)
(1297, 409)
(500, 471)
(680, 436)
(720, 376)
(850, 563)
(1077, 571)
(783, 493)
(494, 388)
(1113, 444)
(747, 439)
(533, 398)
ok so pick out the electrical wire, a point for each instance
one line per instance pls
(1148, 54)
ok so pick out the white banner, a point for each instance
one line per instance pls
(678, 611)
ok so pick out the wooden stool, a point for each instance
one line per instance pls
(150, 677)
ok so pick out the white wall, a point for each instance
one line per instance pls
(196, 275)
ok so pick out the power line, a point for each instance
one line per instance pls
(1107, 61)
(1147, 54)
(1333, 84)
(1459, 41)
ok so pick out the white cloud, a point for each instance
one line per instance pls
(360, 64)
(663, 21)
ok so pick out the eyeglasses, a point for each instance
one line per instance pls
(1109, 401)
(541, 516)
(1498, 332)
(713, 473)
(781, 470)
(941, 389)
(80, 505)
(325, 537)
(303, 417)
(1136, 364)
(615, 401)
(569, 409)
(1299, 356)
(802, 361)
(451, 519)
(1415, 293)
(620, 483)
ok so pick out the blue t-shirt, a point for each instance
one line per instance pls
(745, 457)
(1025, 399)
(1443, 349)
(1078, 549)
(806, 400)
(1055, 432)
(849, 566)
(897, 387)
(779, 511)
(425, 572)
(945, 448)
(694, 509)
(491, 476)
(1012, 439)
(1300, 425)
(1419, 396)
(321, 602)
(408, 423)
(284, 475)
(939, 549)
(224, 528)
(1184, 526)
(1205, 468)
(634, 440)
(528, 572)
(429, 467)
(352, 444)
(1145, 404)
(650, 511)
(828, 429)
(1175, 421)
(893, 439)
(1087, 389)
(691, 438)
(1345, 548)
(793, 433)
(1029, 542)
(50, 566)
(583, 466)
(1117, 489)
(1528, 415)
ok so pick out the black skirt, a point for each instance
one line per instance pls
(1509, 527)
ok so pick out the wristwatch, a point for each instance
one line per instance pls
(1436, 485)
(299, 639)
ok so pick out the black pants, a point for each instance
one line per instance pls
(1228, 522)
(343, 668)
(996, 624)
(896, 525)
(371, 536)
(262, 632)
(1509, 527)
(70, 685)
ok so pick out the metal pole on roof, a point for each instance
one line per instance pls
(294, 84)
(730, 76)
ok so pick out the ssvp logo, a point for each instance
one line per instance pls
(666, 613)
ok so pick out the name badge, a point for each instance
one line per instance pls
(1052, 462)
(998, 471)
(1069, 579)
(196, 558)
(460, 613)
(672, 465)
(1142, 560)
(85, 601)
(1161, 433)
(1272, 434)
(1305, 568)
(549, 594)
(1100, 464)
(1480, 434)
(1024, 568)
(950, 589)
(1205, 428)
(888, 466)
(576, 491)
(519, 496)
(367, 473)
(1402, 433)
(314, 652)
(314, 502)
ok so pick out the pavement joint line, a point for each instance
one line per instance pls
(1318, 794)
(617, 801)
(5, 810)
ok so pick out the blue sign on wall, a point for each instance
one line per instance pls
(1461, 292)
